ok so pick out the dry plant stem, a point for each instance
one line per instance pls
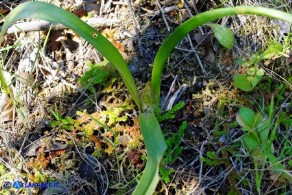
(162, 13)
(163, 10)
(101, 7)
(197, 56)
(169, 91)
(189, 39)
(45, 26)
(136, 26)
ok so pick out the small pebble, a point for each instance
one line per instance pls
(286, 94)
(223, 139)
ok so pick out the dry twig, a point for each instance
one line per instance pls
(45, 26)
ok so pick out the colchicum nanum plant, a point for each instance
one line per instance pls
(149, 100)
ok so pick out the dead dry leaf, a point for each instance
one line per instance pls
(6, 108)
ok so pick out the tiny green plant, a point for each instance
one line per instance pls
(258, 138)
(96, 74)
(212, 159)
(66, 123)
(149, 100)
(170, 114)
(172, 141)
(253, 73)
(172, 152)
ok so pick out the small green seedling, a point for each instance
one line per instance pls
(66, 123)
(212, 159)
(254, 74)
(247, 82)
(258, 138)
(172, 152)
(96, 74)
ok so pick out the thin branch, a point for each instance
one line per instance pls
(45, 26)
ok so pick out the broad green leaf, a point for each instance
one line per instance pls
(155, 145)
(253, 81)
(191, 24)
(250, 142)
(53, 14)
(241, 82)
(247, 116)
(260, 72)
(245, 127)
(223, 35)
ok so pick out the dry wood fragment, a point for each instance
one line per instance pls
(45, 26)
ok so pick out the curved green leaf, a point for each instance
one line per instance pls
(200, 19)
(4, 84)
(155, 146)
(223, 35)
(53, 14)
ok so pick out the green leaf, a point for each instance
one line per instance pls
(55, 15)
(254, 59)
(55, 123)
(253, 81)
(264, 130)
(155, 145)
(247, 116)
(290, 163)
(212, 159)
(241, 82)
(240, 61)
(170, 114)
(165, 174)
(274, 50)
(260, 72)
(97, 74)
(258, 155)
(250, 142)
(2, 169)
(258, 119)
(191, 24)
(68, 120)
(3, 83)
(223, 35)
